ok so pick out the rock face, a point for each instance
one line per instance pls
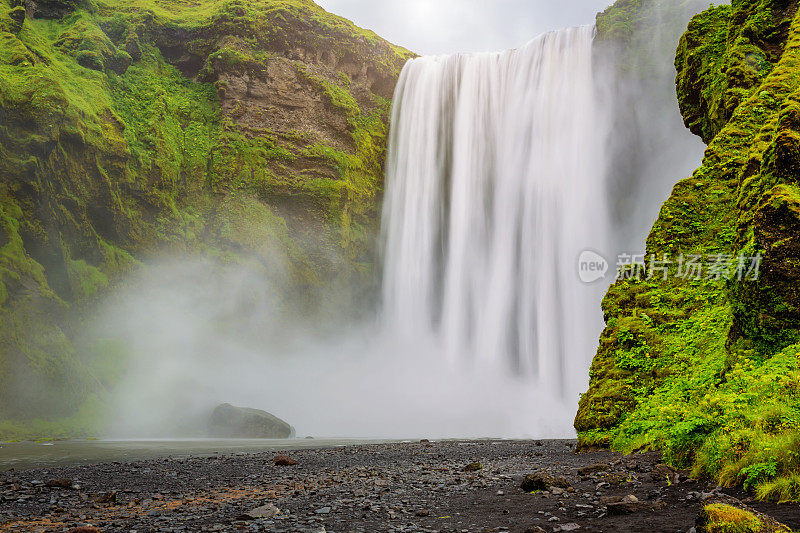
(704, 367)
(247, 130)
(232, 422)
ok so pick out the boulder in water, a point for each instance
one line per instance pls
(228, 421)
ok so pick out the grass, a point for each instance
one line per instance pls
(727, 519)
(709, 371)
(113, 148)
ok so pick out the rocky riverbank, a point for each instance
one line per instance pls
(417, 486)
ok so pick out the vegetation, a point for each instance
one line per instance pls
(708, 370)
(723, 518)
(133, 127)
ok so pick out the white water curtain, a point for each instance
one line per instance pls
(495, 184)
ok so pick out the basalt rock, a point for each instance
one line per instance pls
(542, 481)
(228, 421)
(54, 9)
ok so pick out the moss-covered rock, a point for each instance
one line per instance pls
(133, 128)
(724, 56)
(707, 369)
(731, 516)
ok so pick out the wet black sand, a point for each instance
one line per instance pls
(412, 487)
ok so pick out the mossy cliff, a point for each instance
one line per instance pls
(234, 129)
(708, 369)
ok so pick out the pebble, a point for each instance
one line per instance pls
(406, 487)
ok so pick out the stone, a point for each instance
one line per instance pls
(664, 474)
(473, 467)
(85, 529)
(119, 62)
(51, 9)
(622, 508)
(133, 47)
(17, 16)
(265, 511)
(323, 510)
(60, 483)
(571, 526)
(541, 481)
(228, 421)
(108, 497)
(592, 469)
(284, 460)
(90, 59)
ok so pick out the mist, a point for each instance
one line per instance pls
(199, 333)
(650, 149)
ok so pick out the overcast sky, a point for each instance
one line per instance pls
(448, 26)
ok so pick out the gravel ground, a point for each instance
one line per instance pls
(447, 486)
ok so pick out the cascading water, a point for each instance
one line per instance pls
(497, 179)
(495, 184)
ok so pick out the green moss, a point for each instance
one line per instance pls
(171, 127)
(724, 56)
(85, 422)
(86, 279)
(721, 518)
(114, 147)
(619, 22)
(708, 371)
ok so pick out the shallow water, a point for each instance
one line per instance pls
(27, 455)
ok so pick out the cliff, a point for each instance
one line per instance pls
(707, 368)
(129, 129)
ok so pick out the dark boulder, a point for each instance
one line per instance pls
(542, 481)
(284, 460)
(17, 16)
(228, 421)
(55, 9)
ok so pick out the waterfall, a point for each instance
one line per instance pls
(495, 184)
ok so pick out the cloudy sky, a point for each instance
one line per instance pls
(447, 26)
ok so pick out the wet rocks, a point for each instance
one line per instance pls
(630, 504)
(284, 460)
(542, 481)
(108, 498)
(401, 487)
(473, 467)
(265, 511)
(662, 473)
(592, 469)
(228, 421)
(60, 483)
(85, 529)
